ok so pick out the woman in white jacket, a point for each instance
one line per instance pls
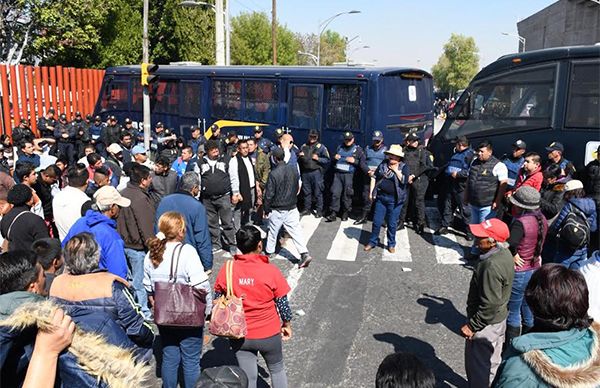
(181, 345)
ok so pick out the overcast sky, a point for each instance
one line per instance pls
(406, 33)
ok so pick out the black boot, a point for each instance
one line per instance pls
(362, 220)
(344, 216)
(511, 333)
(526, 329)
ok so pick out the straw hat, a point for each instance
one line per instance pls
(395, 149)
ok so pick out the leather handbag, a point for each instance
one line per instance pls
(178, 304)
(228, 318)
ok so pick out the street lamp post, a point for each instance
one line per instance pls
(311, 56)
(519, 37)
(322, 28)
(353, 51)
(146, 88)
(222, 43)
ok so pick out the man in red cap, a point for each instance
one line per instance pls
(487, 303)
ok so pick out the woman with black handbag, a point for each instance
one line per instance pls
(180, 294)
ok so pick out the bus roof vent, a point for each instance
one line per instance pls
(186, 63)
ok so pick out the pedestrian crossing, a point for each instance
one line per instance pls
(343, 242)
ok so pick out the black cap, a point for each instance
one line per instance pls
(113, 118)
(159, 125)
(378, 135)
(520, 144)
(258, 129)
(232, 133)
(412, 137)
(51, 110)
(88, 116)
(555, 146)
(313, 132)
(63, 117)
(279, 132)
(128, 121)
(24, 121)
(77, 114)
(97, 118)
(348, 135)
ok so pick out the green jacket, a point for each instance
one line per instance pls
(11, 301)
(562, 359)
(263, 167)
(490, 289)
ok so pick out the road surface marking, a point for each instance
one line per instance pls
(402, 247)
(447, 248)
(346, 242)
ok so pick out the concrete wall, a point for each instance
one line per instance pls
(564, 23)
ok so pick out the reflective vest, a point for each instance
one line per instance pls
(375, 157)
(342, 165)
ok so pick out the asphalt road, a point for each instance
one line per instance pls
(353, 308)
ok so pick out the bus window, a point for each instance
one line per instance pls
(262, 101)
(343, 107)
(305, 106)
(191, 97)
(164, 97)
(115, 96)
(227, 99)
(517, 101)
(137, 95)
(402, 96)
(583, 101)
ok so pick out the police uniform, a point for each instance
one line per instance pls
(373, 156)
(455, 187)
(567, 168)
(312, 174)
(342, 187)
(263, 143)
(419, 162)
(46, 125)
(514, 164)
(82, 135)
(22, 132)
(65, 139)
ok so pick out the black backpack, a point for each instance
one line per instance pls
(575, 229)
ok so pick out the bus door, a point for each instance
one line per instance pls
(191, 107)
(305, 110)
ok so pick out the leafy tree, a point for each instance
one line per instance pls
(121, 36)
(251, 41)
(457, 65)
(333, 48)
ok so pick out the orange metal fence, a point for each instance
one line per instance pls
(29, 91)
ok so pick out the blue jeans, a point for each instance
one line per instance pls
(386, 209)
(518, 310)
(135, 260)
(478, 215)
(180, 346)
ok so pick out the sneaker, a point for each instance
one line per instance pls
(304, 213)
(330, 218)
(217, 250)
(318, 214)
(305, 260)
(420, 229)
(360, 221)
(392, 249)
(442, 230)
(208, 272)
(400, 226)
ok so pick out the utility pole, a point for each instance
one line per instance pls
(219, 33)
(146, 88)
(274, 30)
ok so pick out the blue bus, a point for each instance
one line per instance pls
(330, 99)
(540, 97)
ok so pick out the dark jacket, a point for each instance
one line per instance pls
(384, 172)
(196, 222)
(551, 201)
(490, 289)
(104, 229)
(281, 191)
(591, 179)
(164, 184)
(586, 205)
(215, 179)
(107, 293)
(25, 230)
(135, 223)
(17, 339)
(44, 191)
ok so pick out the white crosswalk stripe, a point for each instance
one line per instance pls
(346, 242)
(402, 247)
(447, 248)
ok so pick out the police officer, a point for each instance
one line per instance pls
(65, 139)
(514, 162)
(456, 173)
(110, 133)
(420, 163)
(46, 124)
(22, 132)
(313, 160)
(262, 142)
(555, 156)
(95, 131)
(348, 157)
(82, 136)
(374, 154)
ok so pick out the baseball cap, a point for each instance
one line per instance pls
(51, 110)
(520, 144)
(348, 135)
(493, 228)
(412, 137)
(159, 125)
(313, 132)
(573, 184)
(63, 117)
(128, 121)
(97, 118)
(138, 149)
(114, 148)
(555, 146)
(258, 129)
(77, 114)
(113, 118)
(377, 135)
(279, 132)
(108, 195)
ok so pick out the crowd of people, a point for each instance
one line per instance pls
(93, 221)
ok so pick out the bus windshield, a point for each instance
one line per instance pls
(515, 101)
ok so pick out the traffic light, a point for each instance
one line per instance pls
(148, 76)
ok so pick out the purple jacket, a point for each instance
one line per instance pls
(526, 247)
